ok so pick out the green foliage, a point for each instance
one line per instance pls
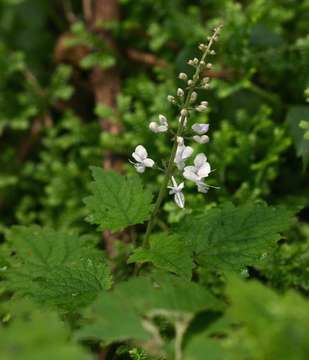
(231, 238)
(295, 117)
(146, 300)
(272, 326)
(117, 201)
(52, 128)
(55, 268)
(34, 334)
(168, 253)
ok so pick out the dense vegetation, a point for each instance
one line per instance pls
(82, 275)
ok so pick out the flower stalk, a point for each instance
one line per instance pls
(192, 85)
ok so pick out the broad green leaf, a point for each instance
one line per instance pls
(117, 201)
(135, 303)
(168, 253)
(55, 268)
(273, 326)
(231, 238)
(33, 334)
(296, 115)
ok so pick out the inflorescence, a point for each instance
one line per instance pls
(185, 99)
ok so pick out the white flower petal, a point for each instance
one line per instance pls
(180, 164)
(141, 152)
(139, 167)
(180, 199)
(187, 152)
(148, 162)
(153, 126)
(204, 170)
(189, 175)
(202, 187)
(199, 160)
(180, 186)
(201, 139)
(137, 158)
(200, 128)
(163, 120)
(162, 128)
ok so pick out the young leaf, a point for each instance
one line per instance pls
(55, 268)
(231, 238)
(117, 201)
(168, 253)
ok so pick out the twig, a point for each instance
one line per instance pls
(87, 10)
(145, 58)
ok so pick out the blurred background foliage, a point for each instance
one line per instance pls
(53, 126)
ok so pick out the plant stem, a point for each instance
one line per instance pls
(171, 165)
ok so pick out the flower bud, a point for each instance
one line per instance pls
(204, 103)
(209, 66)
(183, 76)
(201, 139)
(201, 108)
(184, 112)
(180, 92)
(193, 97)
(195, 61)
(212, 52)
(190, 82)
(202, 63)
(171, 99)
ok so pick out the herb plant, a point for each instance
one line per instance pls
(197, 246)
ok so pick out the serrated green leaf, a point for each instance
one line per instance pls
(168, 253)
(231, 238)
(117, 201)
(33, 334)
(55, 268)
(135, 303)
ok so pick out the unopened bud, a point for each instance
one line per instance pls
(209, 66)
(190, 82)
(193, 97)
(184, 112)
(183, 76)
(201, 108)
(212, 52)
(204, 103)
(180, 92)
(171, 98)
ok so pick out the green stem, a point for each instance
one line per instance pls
(171, 165)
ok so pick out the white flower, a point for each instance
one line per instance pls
(200, 128)
(182, 153)
(161, 127)
(202, 187)
(201, 139)
(200, 170)
(180, 92)
(176, 190)
(141, 156)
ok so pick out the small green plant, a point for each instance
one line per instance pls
(192, 289)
